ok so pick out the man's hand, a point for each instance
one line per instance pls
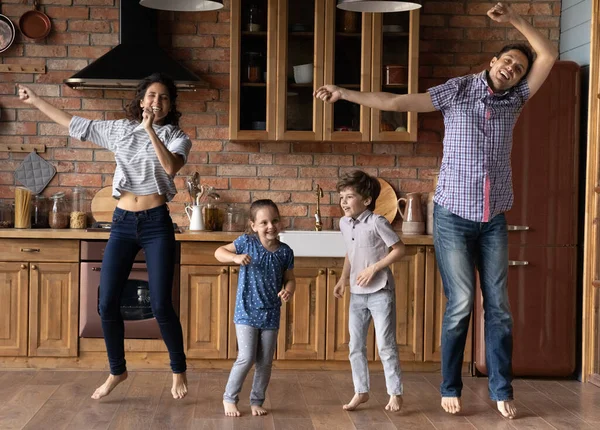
(242, 259)
(501, 13)
(329, 93)
(338, 290)
(365, 276)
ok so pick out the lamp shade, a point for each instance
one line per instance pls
(183, 5)
(378, 5)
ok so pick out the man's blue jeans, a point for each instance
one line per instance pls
(461, 246)
(151, 230)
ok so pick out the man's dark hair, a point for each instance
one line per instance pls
(363, 184)
(133, 109)
(525, 50)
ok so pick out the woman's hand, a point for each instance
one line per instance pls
(501, 13)
(285, 295)
(329, 93)
(147, 118)
(242, 259)
(26, 94)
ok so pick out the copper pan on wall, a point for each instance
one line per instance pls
(7, 33)
(34, 24)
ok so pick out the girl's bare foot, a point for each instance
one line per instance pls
(452, 405)
(507, 409)
(179, 389)
(109, 385)
(356, 400)
(395, 404)
(258, 411)
(231, 409)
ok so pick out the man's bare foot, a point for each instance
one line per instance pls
(231, 409)
(179, 388)
(507, 409)
(258, 411)
(452, 405)
(356, 400)
(395, 404)
(111, 382)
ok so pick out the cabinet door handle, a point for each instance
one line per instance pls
(23, 266)
(517, 227)
(223, 270)
(332, 272)
(30, 249)
(321, 272)
(234, 270)
(33, 267)
(518, 263)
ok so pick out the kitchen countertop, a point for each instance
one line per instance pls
(187, 236)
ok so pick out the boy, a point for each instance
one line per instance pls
(368, 238)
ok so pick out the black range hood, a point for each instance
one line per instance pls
(137, 56)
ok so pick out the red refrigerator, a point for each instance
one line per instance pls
(542, 274)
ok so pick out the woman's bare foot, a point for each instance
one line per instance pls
(395, 404)
(356, 400)
(231, 409)
(258, 411)
(111, 382)
(452, 405)
(179, 389)
(507, 409)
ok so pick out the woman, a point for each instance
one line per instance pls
(149, 149)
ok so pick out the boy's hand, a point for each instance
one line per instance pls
(242, 259)
(285, 295)
(365, 276)
(338, 290)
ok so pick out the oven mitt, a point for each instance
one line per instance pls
(35, 173)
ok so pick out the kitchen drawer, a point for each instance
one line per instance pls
(200, 252)
(39, 250)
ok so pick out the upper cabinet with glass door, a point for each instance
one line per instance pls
(395, 69)
(253, 69)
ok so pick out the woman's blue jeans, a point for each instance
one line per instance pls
(151, 230)
(461, 246)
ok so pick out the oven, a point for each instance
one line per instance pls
(135, 300)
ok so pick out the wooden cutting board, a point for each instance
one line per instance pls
(387, 202)
(103, 205)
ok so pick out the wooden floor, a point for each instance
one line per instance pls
(43, 399)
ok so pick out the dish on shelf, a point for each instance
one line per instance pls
(392, 28)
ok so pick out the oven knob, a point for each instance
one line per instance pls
(23, 266)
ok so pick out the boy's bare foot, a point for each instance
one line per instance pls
(258, 411)
(179, 389)
(231, 409)
(111, 382)
(507, 409)
(452, 405)
(395, 404)
(356, 400)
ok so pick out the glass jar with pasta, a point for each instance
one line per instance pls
(78, 218)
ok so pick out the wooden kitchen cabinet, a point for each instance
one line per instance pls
(14, 288)
(348, 49)
(40, 290)
(203, 310)
(435, 305)
(302, 323)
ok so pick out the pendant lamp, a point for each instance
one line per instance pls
(183, 5)
(378, 5)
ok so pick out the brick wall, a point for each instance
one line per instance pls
(455, 37)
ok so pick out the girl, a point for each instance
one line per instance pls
(149, 150)
(265, 276)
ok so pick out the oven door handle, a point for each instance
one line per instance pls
(133, 269)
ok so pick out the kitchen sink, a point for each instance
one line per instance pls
(314, 243)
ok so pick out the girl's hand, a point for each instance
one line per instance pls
(285, 294)
(147, 118)
(501, 13)
(242, 259)
(328, 93)
(26, 94)
(365, 276)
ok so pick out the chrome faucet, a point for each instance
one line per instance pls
(318, 225)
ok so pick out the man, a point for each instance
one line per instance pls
(474, 190)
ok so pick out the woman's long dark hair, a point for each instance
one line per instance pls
(133, 109)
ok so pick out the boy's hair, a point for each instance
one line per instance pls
(524, 49)
(363, 184)
(133, 109)
(256, 206)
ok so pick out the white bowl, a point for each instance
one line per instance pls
(303, 73)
